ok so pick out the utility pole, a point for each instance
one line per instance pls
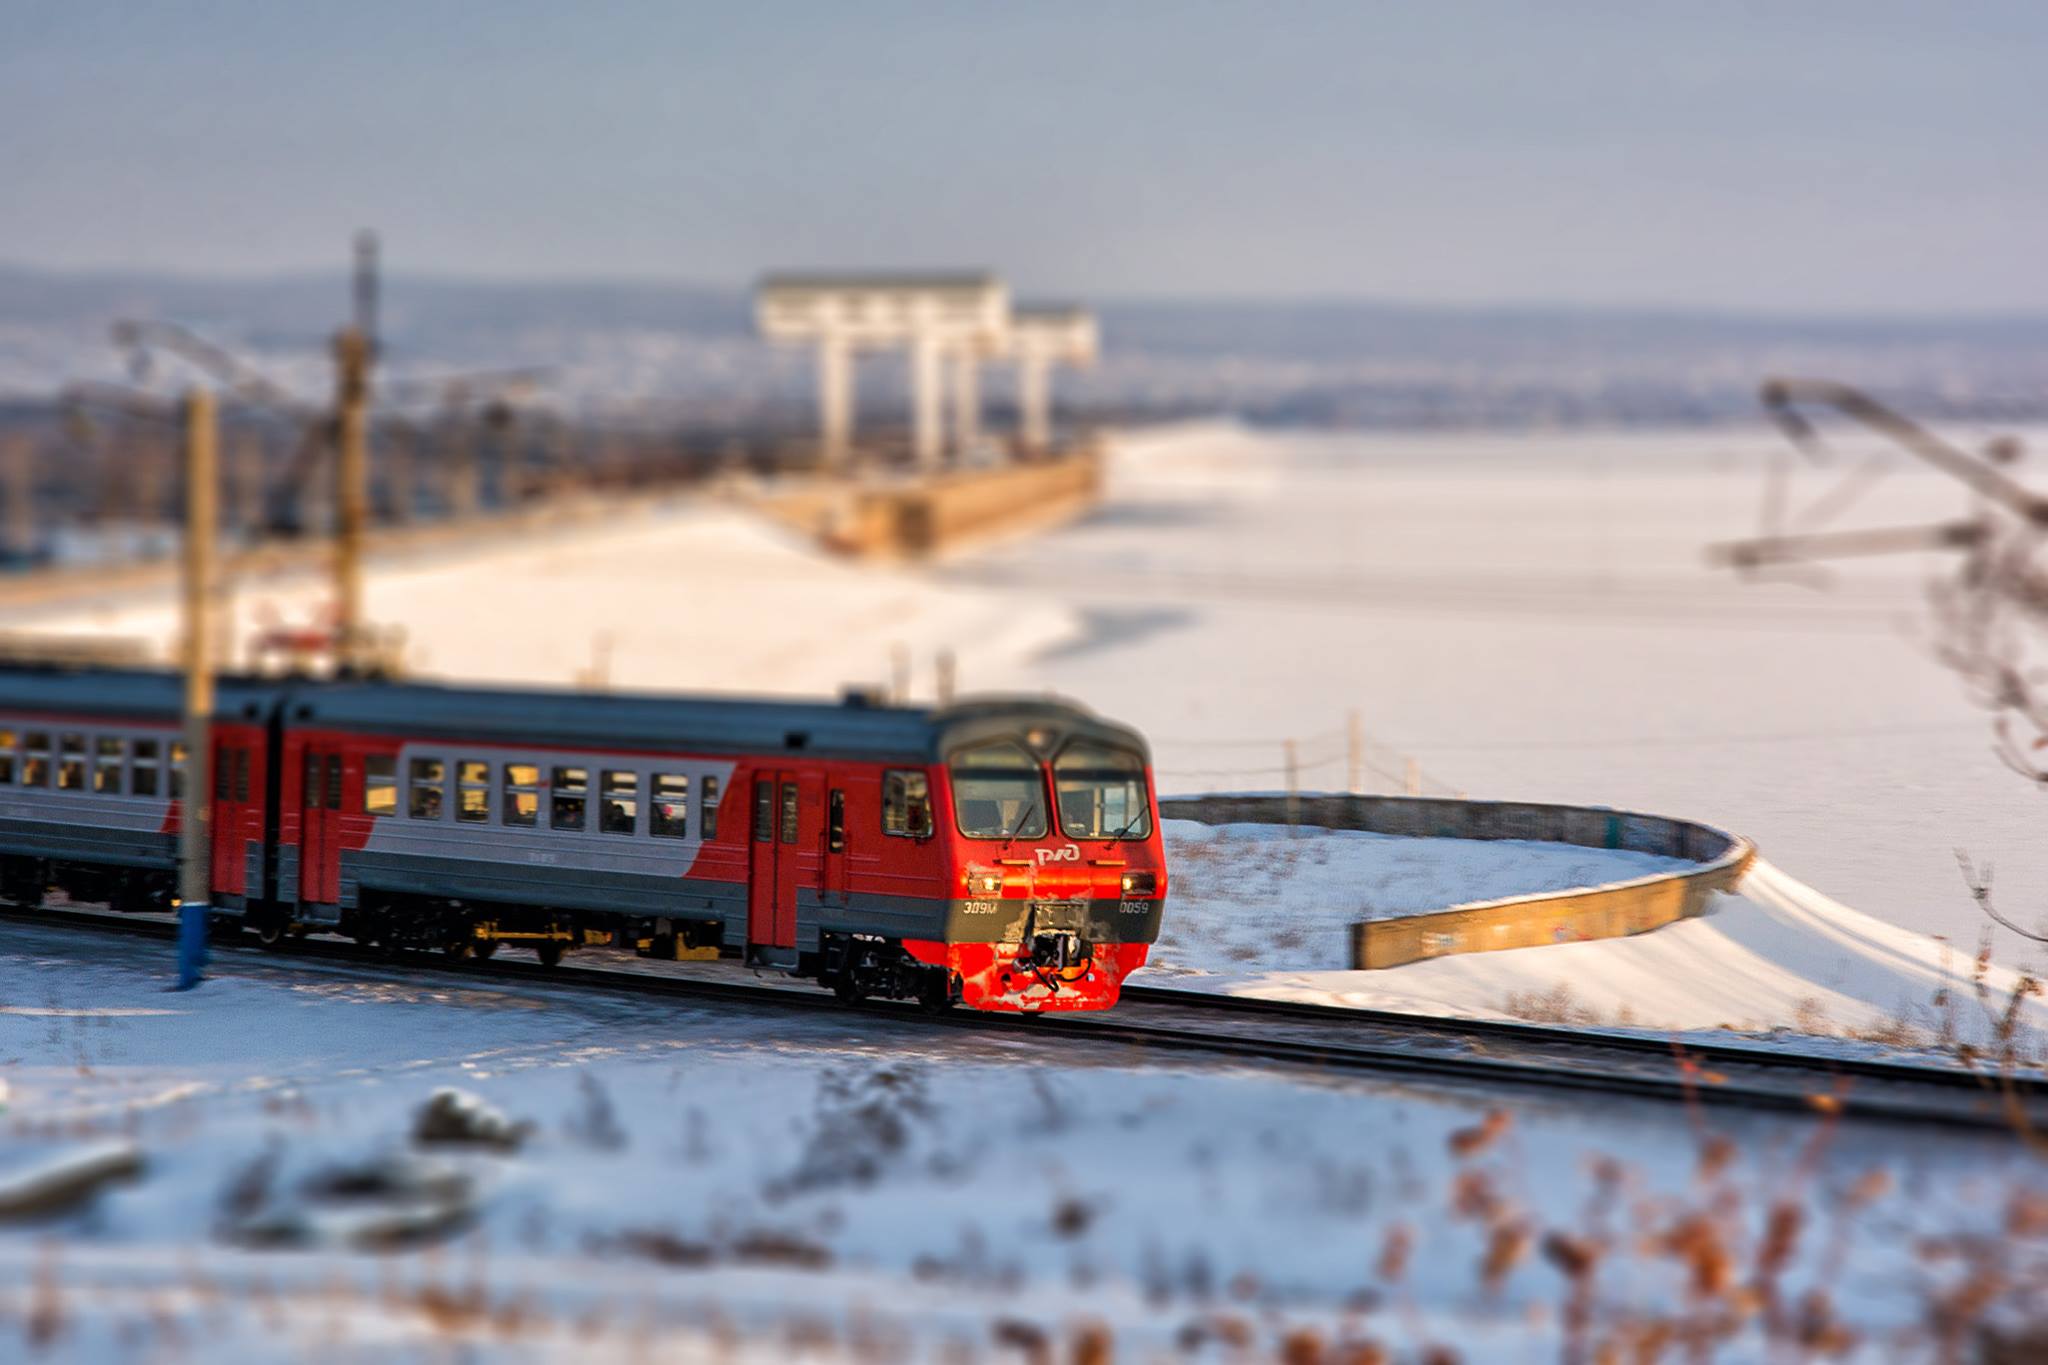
(195, 824)
(352, 490)
(355, 350)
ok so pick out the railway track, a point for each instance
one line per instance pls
(1460, 1052)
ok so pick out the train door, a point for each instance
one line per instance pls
(232, 759)
(772, 865)
(834, 881)
(320, 826)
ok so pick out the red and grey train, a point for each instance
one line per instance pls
(1001, 853)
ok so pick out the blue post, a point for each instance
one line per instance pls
(191, 944)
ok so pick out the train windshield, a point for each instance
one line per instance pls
(1101, 793)
(998, 792)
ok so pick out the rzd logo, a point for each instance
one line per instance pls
(1065, 853)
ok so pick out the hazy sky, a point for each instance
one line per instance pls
(1859, 156)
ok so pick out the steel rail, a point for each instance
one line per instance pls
(1459, 1064)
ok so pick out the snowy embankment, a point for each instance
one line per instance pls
(642, 1178)
(1261, 910)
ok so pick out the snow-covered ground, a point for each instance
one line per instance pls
(1260, 910)
(676, 1181)
(1531, 617)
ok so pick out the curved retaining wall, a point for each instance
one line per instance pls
(1611, 911)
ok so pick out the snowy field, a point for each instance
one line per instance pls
(668, 1181)
(1530, 617)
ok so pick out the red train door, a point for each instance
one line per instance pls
(231, 760)
(772, 866)
(320, 827)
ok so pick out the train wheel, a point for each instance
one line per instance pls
(935, 996)
(549, 951)
(274, 931)
(848, 990)
(457, 946)
(486, 947)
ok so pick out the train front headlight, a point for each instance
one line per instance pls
(984, 883)
(1140, 883)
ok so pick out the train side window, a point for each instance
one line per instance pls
(569, 800)
(789, 809)
(71, 763)
(177, 769)
(224, 775)
(334, 782)
(309, 782)
(764, 811)
(7, 743)
(620, 809)
(380, 785)
(906, 803)
(707, 808)
(108, 755)
(242, 775)
(35, 759)
(472, 791)
(668, 806)
(522, 794)
(835, 822)
(425, 788)
(142, 768)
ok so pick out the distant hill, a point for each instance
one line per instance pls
(657, 345)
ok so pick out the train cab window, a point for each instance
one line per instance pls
(668, 806)
(71, 763)
(835, 822)
(619, 811)
(1101, 792)
(789, 809)
(707, 808)
(569, 798)
(380, 785)
(426, 788)
(472, 791)
(35, 759)
(998, 792)
(142, 768)
(522, 795)
(177, 769)
(906, 803)
(108, 756)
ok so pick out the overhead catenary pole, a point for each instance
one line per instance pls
(352, 490)
(195, 823)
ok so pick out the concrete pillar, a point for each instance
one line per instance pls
(966, 401)
(1034, 401)
(835, 399)
(926, 396)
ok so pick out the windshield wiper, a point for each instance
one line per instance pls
(1023, 817)
(1127, 826)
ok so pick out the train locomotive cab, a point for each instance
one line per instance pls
(1045, 817)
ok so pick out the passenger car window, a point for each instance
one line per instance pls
(835, 822)
(569, 798)
(522, 794)
(764, 811)
(707, 814)
(668, 806)
(71, 763)
(35, 759)
(142, 769)
(7, 743)
(108, 754)
(472, 791)
(425, 788)
(619, 810)
(906, 803)
(789, 809)
(380, 785)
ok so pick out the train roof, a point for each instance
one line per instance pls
(853, 727)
